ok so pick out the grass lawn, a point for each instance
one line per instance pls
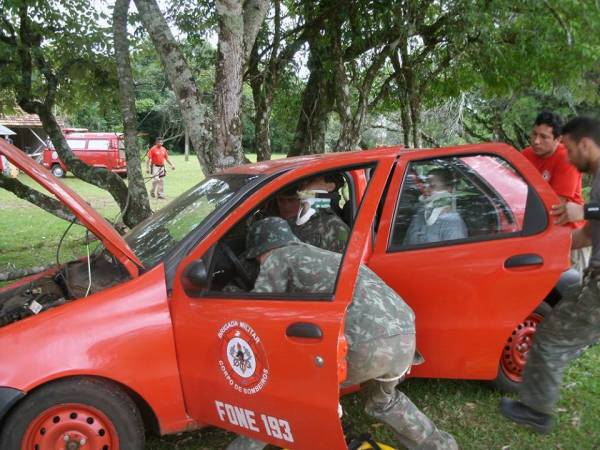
(467, 409)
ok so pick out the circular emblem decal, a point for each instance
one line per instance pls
(546, 175)
(243, 360)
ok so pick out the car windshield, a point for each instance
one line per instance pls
(157, 235)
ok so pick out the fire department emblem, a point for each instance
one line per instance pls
(243, 361)
(546, 175)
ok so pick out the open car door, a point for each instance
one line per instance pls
(270, 365)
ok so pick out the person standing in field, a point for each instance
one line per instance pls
(157, 156)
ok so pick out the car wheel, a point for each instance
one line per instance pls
(74, 413)
(516, 350)
(58, 171)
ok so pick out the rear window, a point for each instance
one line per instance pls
(76, 144)
(103, 144)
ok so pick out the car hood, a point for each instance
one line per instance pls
(86, 215)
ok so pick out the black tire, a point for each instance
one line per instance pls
(57, 171)
(104, 396)
(504, 382)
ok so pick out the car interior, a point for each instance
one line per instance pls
(230, 271)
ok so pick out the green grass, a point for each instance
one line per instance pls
(467, 409)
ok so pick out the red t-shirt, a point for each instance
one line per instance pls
(157, 155)
(562, 176)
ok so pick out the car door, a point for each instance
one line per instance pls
(269, 366)
(496, 260)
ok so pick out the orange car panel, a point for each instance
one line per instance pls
(123, 333)
(465, 301)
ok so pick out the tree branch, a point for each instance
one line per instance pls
(45, 202)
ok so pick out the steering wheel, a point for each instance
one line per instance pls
(243, 277)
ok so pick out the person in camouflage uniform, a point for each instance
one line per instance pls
(379, 328)
(574, 323)
(324, 228)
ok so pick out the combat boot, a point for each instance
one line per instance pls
(522, 414)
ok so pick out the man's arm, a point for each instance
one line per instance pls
(168, 160)
(273, 276)
(581, 237)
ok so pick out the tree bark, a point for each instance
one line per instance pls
(138, 206)
(181, 79)
(238, 28)
(317, 102)
(228, 84)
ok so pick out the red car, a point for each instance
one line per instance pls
(95, 149)
(143, 334)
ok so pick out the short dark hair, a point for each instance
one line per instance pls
(581, 127)
(444, 174)
(550, 119)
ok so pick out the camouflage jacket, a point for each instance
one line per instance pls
(324, 230)
(376, 310)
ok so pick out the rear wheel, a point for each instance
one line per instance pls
(58, 171)
(75, 414)
(516, 350)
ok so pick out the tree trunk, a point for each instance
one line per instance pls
(227, 129)
(262, 124)
(317, 102)
(181, 79)
(138, 205)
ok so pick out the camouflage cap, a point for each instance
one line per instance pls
(267, 234)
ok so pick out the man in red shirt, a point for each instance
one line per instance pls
(157, 155)
(549, 156)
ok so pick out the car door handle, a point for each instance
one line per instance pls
(527, 259)
(304, 330)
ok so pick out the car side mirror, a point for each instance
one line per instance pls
(195, 277)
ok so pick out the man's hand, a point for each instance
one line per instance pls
(567, 212)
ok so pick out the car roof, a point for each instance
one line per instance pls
(282, 164)
(358, 157)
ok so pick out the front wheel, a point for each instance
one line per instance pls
(516, 350)
(58, 171)
(77, 413)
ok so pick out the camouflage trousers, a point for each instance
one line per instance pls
(571, 327)
(385, 362)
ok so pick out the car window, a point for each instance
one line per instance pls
(154, 237)
(98, 144)
(76, 144)
(327, 228)
(458, 199)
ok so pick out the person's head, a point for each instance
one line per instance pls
(545, 134)
(159, 141)
(581, 136)
(439, 179)
(266, 235)
(288, 203)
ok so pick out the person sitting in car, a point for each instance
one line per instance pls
(308, 210)
(436, 219)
